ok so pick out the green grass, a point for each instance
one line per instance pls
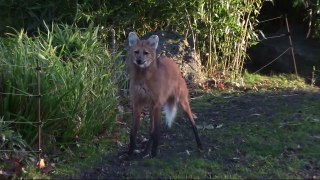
(280, 81)
(270, 146)
(85, 157)
(73, 162)
(176, 169)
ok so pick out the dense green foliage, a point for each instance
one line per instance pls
(78, 84)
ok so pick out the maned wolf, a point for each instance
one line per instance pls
(155, 83)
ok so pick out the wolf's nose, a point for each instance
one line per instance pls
(139, 61)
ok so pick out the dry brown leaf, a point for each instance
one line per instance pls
(220, 86)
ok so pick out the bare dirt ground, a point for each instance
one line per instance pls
(237, 130)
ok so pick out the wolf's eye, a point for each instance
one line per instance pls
(145, 52)
(136, 51)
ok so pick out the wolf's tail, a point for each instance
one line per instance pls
(170, 111)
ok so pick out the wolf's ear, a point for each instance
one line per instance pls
(133, 39)
(153, 41)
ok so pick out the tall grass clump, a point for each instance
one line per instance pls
(78, 83)
(223, 30)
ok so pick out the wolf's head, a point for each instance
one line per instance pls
(142, 52)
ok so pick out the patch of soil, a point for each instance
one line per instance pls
(179, 141)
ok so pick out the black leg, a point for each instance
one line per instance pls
(134, 128)
(195, 131)
(155, 133)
